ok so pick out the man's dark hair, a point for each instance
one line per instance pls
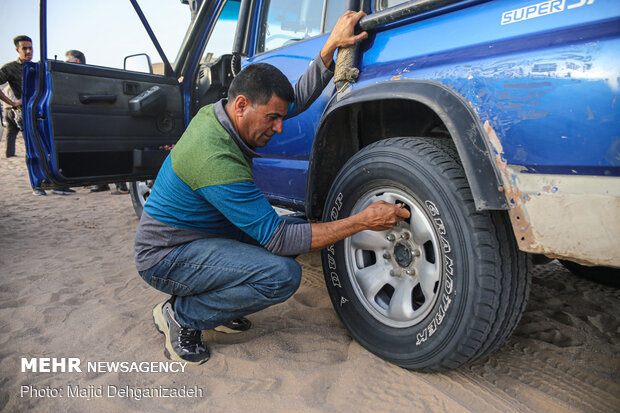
(21, 38)
(76, 54)
(259, 82)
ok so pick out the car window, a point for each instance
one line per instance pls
(223, 34)
(285, 22)
(386, 4)
(108, 31)
(335, 9)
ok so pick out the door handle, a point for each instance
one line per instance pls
(87, 98)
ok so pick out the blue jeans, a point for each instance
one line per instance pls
(216, 280)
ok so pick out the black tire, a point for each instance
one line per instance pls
(602, 275)
(140, 191)
(467, 287)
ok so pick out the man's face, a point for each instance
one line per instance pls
(72, 59)
(24, 49)
(260, 122)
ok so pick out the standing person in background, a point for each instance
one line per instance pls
(12, 73)
(75, 56)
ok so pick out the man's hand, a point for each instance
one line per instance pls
(343, 35)
(382, 215)
(378, 217)
(17, 103)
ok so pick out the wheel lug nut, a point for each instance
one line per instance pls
(390, 237)
(387, 255)
(416, 253)
(410, 272)
(392, 273)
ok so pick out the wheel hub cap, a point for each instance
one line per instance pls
(396, 274)
(403, 254)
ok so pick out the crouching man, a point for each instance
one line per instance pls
(208, 237)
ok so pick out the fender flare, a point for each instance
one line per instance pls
(460, 119)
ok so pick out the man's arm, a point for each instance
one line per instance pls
(246, 208)
(310, 85)
(8, 100)
(4, 78)
(377, 217)
(343, 35)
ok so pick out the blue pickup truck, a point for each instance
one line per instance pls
(496, 123)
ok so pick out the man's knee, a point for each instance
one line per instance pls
(285, 277)
(293, 269)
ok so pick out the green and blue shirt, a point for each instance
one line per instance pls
(205, 187)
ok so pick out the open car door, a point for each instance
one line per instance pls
(87, 124)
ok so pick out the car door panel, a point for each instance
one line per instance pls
(94, 132)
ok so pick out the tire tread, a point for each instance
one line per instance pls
(502, 281)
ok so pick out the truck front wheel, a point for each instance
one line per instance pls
(438, 290)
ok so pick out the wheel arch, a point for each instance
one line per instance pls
(354, 120)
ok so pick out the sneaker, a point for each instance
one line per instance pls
(182, 343)
(64, 191)
(238, 325)
(38, 192)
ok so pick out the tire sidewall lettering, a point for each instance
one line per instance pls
(331, 252)
(445, 301)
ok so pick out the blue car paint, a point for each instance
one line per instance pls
(547, 86)
(31, 86)
(548, 95)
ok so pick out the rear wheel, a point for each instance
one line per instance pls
(140, 191)
(440, 289)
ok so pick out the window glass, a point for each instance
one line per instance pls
(335, 9)
(108, 31)
(223, 34)
(284, 22)
(384, 4)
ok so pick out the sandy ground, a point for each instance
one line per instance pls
(68, 288)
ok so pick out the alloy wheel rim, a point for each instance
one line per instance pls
(396, 274)
(144, 190)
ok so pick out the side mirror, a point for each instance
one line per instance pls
(140, 62)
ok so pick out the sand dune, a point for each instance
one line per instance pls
(68, 288)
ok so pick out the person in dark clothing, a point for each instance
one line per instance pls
(12, 73)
